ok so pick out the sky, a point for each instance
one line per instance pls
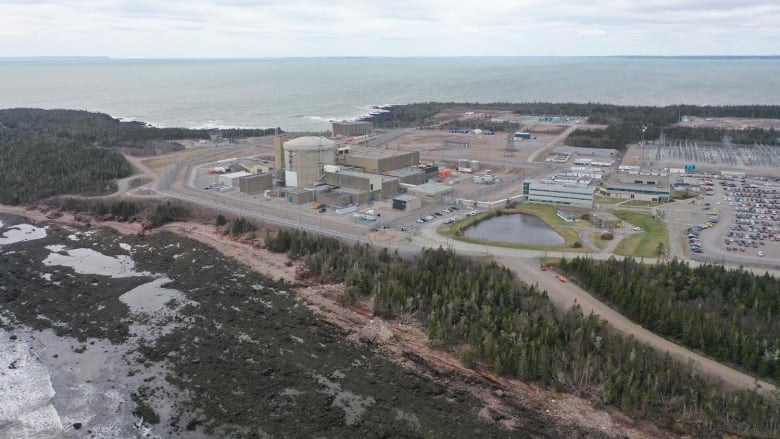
(393, 28)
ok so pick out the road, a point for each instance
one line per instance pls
(553, 143)
(523, 262)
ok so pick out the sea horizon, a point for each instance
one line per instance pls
(307, 93)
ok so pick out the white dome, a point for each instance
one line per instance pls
(308, 143)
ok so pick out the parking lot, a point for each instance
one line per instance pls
(739, 222)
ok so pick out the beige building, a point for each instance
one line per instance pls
(305, 158)
(432, 192)
(380, 186)
(352, 129)
(279, 150)
(252, 184)
(379, 161)
(257, 166)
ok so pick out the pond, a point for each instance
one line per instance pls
(518, 228)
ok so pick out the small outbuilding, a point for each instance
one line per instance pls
(407, 202)
(604, 220)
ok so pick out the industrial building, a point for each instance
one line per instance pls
(407, 202)
(298, 195)
(378, 186)
(646, 187)
(352, 129)
(255, 166)
(379, 161)
(279, 151)
(305, 158)
(413, 176)
(252, 184)
(231, 179)
(431, 192)
(521, 136)
(604, 220)
(548, 191)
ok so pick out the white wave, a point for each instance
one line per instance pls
(368, 111)
(26, 389)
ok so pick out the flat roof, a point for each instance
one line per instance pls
(378, 153)
(236, 174)
(628, 180)
(349, 190)
(352, 173)
(403, 172)
(432, 188)
(406, 198)
(593, 152)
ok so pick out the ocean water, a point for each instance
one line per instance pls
(307, 93)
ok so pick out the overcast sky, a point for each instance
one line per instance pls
(271, 28)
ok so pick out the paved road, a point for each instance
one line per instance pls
(523, 262)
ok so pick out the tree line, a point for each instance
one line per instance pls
(50, 152)
(730, 315)
(626, 124)
(480, 310)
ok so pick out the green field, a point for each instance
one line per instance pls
(595, 238)
(643, 244)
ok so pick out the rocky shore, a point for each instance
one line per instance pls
(194, 342)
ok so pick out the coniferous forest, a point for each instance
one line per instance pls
(481, 311)
(729, 315)
(625, 123)
(51, 152)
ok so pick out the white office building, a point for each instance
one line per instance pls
(548, 191)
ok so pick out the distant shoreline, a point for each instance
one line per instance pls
(302, 58)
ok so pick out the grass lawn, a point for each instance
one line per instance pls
(607, 200)
(595, 238)
(643, 244)
(546, 213)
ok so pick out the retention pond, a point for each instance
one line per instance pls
(518, 228)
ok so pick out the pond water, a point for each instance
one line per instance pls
(516, 228)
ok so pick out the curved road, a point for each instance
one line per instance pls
(523, 262)
(565, 295)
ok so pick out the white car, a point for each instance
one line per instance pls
(760, 253)
(637, 229)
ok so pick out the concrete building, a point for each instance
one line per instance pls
(255, 183)
(232, 178)
(304, 159)
(548, 191)
(254, 166)
(407, 202)
(604, 220)
(352, 129)
(431, 192)
(298, 195)
(279, 150)
(645, 187)
(379, 161)
(378, 186)
(413, 176)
